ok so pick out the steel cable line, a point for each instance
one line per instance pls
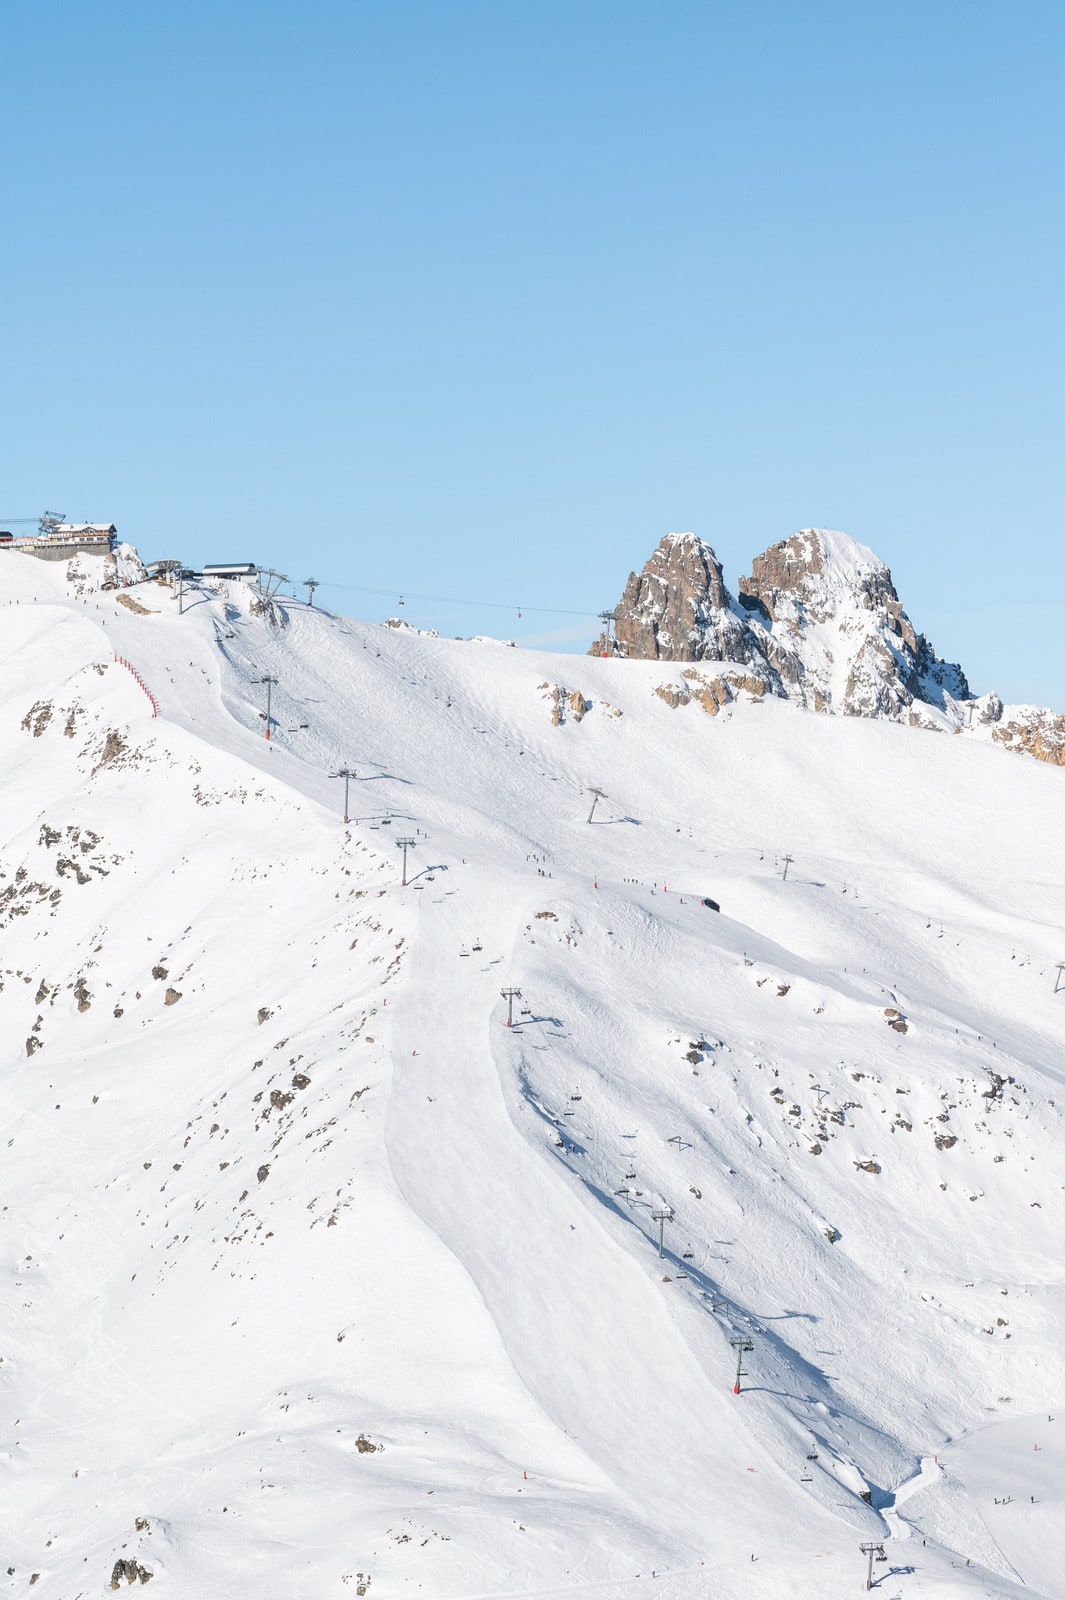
(453, 600)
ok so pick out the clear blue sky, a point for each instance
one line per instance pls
(480, 299)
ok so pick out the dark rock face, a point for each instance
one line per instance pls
(678, 609)
(132, 1571)
(818, 621)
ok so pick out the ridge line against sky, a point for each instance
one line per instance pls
(485, 299)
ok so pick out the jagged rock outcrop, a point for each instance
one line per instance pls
(678, 609)
(818, 621)
(1037, 733)
(829, 605)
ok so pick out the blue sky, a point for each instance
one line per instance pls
(480, 299)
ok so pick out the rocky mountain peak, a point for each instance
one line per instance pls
(819, 571)
(818, 621)
(678, 608)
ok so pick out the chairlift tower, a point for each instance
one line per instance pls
(310, 584)
(608, 619)
(273, 583)
(597, 795)
(347, 773)
(663, 1215)
(405, 845)
(742, 1347)
(876, 1552)
(510, 994)
(270, 683)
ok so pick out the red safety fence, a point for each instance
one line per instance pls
(131, 668)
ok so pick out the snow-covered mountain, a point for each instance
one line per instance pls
(319, 1280)
(818, 622)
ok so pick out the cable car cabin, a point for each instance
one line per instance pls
(245, 570)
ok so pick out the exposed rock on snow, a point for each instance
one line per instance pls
(678, 609)
(131, 1570)
(1039, 733)
(818, 619)
(711, 693)
(818, 622)
(843, 638)
(135, 606)
(408, 627)
(567, 705)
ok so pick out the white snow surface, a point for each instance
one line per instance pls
(845, 561)
(325, 1198)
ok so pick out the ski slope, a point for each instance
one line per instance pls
(326, 1200)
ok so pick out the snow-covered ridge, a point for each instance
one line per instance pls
(318, 1279)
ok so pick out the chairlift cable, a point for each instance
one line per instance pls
(455, 600)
